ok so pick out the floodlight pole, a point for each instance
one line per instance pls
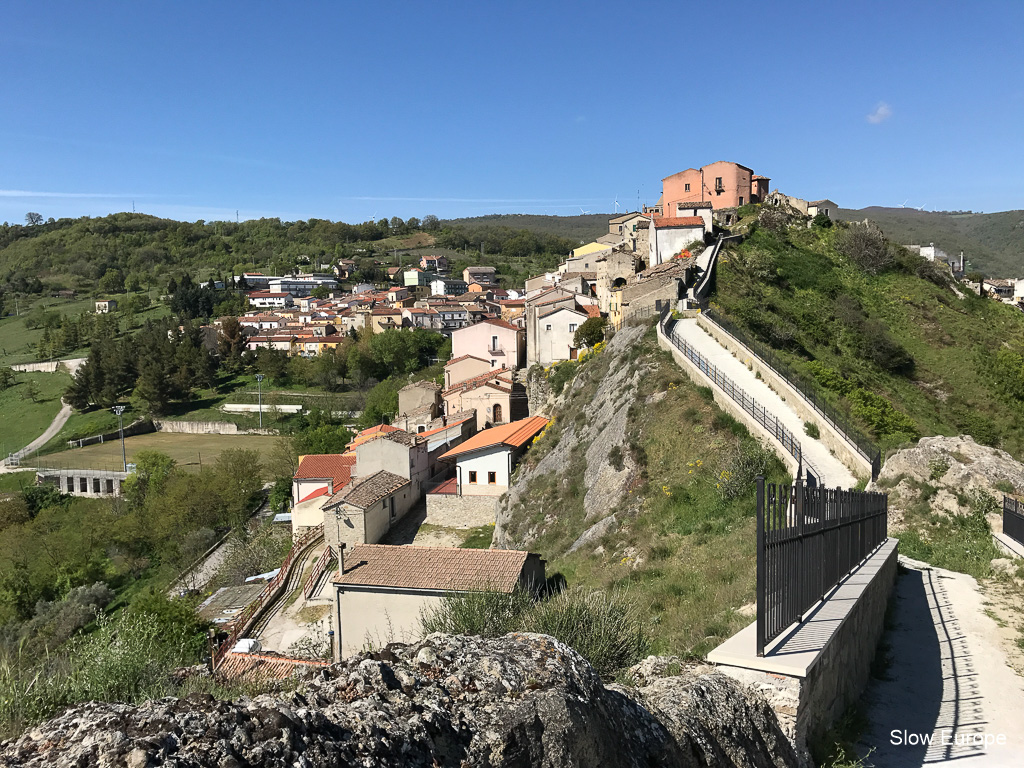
(259, 389)
(119, 410)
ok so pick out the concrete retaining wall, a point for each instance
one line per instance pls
(208, 428)
(829, 674)
(830, 436)
(141, 427)
(453, 511)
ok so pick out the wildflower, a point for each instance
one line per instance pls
(699, 462)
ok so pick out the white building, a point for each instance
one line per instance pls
(484, 462)
(670, 236)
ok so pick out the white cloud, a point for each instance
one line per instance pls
(73, 195)
(881, 113)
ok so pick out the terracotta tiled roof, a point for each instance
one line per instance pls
(592, 310)
(326, 466)
(694, 205)
(368, 491)
(314, 495)
(451, 423)
(514, 435)
(370, 433)
(464, 357)
(500, 323)
(412, 567)
(584, 275)
(501, 374)
(678, 221)
(254, 666)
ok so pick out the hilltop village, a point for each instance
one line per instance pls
(505, 444)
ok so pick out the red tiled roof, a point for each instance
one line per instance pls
(326, 466)
(449, 425)
(253, 666)
(367, 491)
(592, 310)
(413, 567)
(500, 323)
(681, 221)
(502, 374)
(314, 495)
(464, 357)
(513, 435)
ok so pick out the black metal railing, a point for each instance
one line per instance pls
(839, 420)
(1013, 519)
(808, 540)
(745, 401)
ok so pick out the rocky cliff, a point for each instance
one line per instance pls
(521, 700)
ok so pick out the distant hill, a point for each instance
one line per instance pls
(586, 227)
(993, 243)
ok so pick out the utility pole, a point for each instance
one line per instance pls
(119, 410)
(259, 388)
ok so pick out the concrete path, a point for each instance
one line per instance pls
(55, 426)
(947, 683)
(829, 470)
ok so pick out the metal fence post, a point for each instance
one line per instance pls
(761, 606)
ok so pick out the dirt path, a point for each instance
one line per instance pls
(948, 683)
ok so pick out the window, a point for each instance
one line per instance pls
(719, 187)
(547, 328)
(494, 363)
(686, 188)
(492, 478)
(572, 327)
(741, 200)
(494, 342)
(391, 508)
(472, 477)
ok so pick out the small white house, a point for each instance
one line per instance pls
(670, 236)
(106, 306)
(484, 462)
(269, 299)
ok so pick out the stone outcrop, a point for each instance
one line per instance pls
(953, 467)
(522, 700)
(592, 439)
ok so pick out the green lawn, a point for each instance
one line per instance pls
(189, 451)
(13, 482)
(24, 419)
(18, 343)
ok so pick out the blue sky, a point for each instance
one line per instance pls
(346, 111)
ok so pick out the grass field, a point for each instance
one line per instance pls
(24, 419)
(189, 451)
(18, 343)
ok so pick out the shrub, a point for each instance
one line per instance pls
(605, 628)
(589, 333)
(487, 614)
(865, 247)
(560, 375)
(811, 430)
(615, 458)
(822, 221)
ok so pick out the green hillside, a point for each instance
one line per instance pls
(585, 227)
(993, 243)
(888, 341)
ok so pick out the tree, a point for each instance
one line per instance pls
(431, 223)
(112, 281)
(33, 219)
(320, 292)
(591, 332)
(7, 378)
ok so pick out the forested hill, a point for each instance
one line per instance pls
(993, 243)
(129, 251)
(584, 228)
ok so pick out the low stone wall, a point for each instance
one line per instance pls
(810, 686)
(830, 437)
(451, 511)
(140, 427)
(208, 428)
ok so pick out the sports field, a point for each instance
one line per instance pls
(189, 451)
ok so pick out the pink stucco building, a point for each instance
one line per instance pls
(497, 341)
(723, 184)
